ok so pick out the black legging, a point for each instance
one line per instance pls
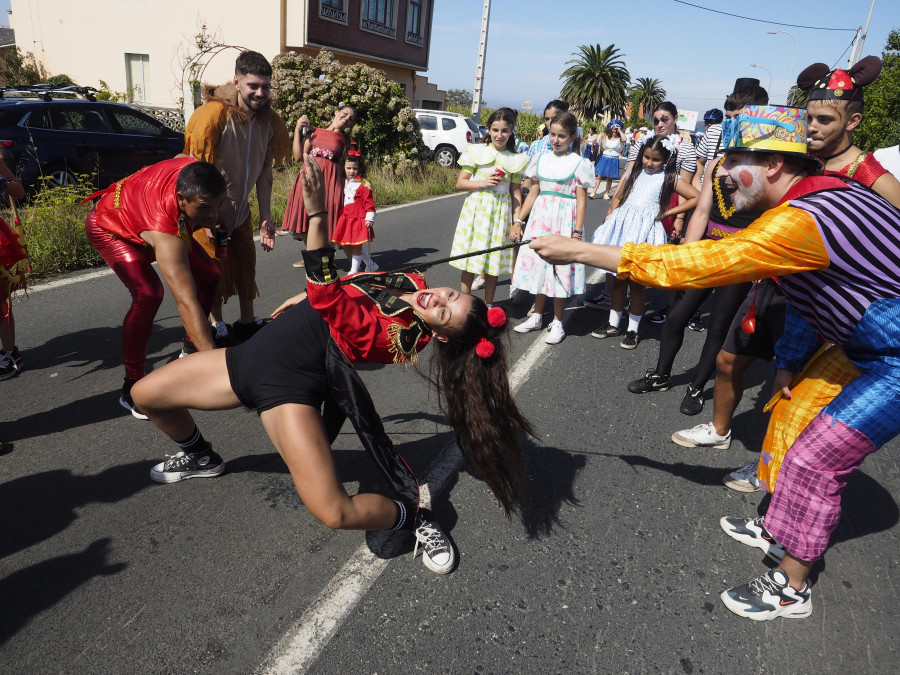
(726, 302)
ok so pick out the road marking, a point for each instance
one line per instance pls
(90, 276)
(298, 650)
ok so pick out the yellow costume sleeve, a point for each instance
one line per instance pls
(204, 130)
(782, 241)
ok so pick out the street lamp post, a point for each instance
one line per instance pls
(793, 61)
(753, 65)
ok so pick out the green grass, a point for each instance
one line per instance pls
(54, 218)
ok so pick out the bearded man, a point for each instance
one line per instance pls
(834, 245)
(237, 131)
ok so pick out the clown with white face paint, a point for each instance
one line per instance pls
(835, 247)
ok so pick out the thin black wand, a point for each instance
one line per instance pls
(427, 264)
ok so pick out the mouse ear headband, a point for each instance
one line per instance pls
(824, 84)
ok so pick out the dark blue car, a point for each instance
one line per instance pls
(54, 141)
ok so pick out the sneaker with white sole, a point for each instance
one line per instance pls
(753, 533)
(607, 331)
(437, 550)
(11, 363)
(630, 341)
(555, 333)
(182, 466)
(533, 322)
(702, 436)
(768, 597)
(744, 479)
(127, 402)
(372, 267)
(478, 283)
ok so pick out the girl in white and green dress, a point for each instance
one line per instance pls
(492, 173)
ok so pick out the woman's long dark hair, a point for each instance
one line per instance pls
(671, 172)
(474, 393)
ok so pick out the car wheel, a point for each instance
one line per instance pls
(445, 156)
(59, 175)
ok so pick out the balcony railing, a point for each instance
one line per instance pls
(414, 39)
(380, 28)
(332, 13)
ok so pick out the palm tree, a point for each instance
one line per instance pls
(597, 79)
(797, 97)
(647, 93)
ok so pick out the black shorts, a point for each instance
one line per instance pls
(771, 306)
(282, 363)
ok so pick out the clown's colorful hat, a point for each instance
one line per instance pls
(766, 128)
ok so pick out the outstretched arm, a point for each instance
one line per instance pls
(314, 200)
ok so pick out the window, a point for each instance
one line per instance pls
(448, 123)
(138, 125)
(137, 77)
(427, 122)
(333, 10)
(378, 17)
(79, 120)
(414, 22)
(38, 119)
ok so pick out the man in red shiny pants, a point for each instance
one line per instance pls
(151, 215)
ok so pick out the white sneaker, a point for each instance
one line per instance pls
(372, 267)
(555, 333)
(702, 436)
(478, 283)
(437, 550)
(744, 479)
(533, 322)
(530, 311)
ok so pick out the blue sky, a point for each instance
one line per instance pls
(528, 46)
(529, 43)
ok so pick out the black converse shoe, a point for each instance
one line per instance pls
(652, 381)
(182, 466)
(437, 550)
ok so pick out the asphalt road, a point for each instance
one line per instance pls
(614, 566)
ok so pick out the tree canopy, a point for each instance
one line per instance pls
(597, 79)
(880, 126)
(646, 94)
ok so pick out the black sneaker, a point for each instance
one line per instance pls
(437, 550)
(187, 347)
(696, 324)
(767, 597)
(659, 316)
(182, 466)
(244, 331)
(630, 341)
(222, 336)
(127, 402)
(652, 381)
(602, 301)
(607, 331)
(692, 403)
(11, 363)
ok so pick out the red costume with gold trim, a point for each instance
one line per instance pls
(354, 226)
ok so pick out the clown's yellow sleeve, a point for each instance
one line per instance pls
(782, 241)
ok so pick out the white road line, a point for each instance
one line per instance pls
(38, 287)
(299, 648)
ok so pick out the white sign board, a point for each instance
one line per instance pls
(687, 119)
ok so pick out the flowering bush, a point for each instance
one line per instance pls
(386, 128)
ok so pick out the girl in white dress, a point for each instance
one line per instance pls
(556, 203)
(634, 216)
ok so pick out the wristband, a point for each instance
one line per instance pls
(317, 213)
(577, 231)
(518, 221)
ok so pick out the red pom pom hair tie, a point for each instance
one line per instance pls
(496, 317)
(485, 348)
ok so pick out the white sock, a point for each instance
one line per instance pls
(614, 318)
(365, 257)
(354, 264)
(634, 320)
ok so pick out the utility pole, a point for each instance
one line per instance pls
(856, 54)
(479, 69)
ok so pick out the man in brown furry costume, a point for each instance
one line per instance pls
(237, 131)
